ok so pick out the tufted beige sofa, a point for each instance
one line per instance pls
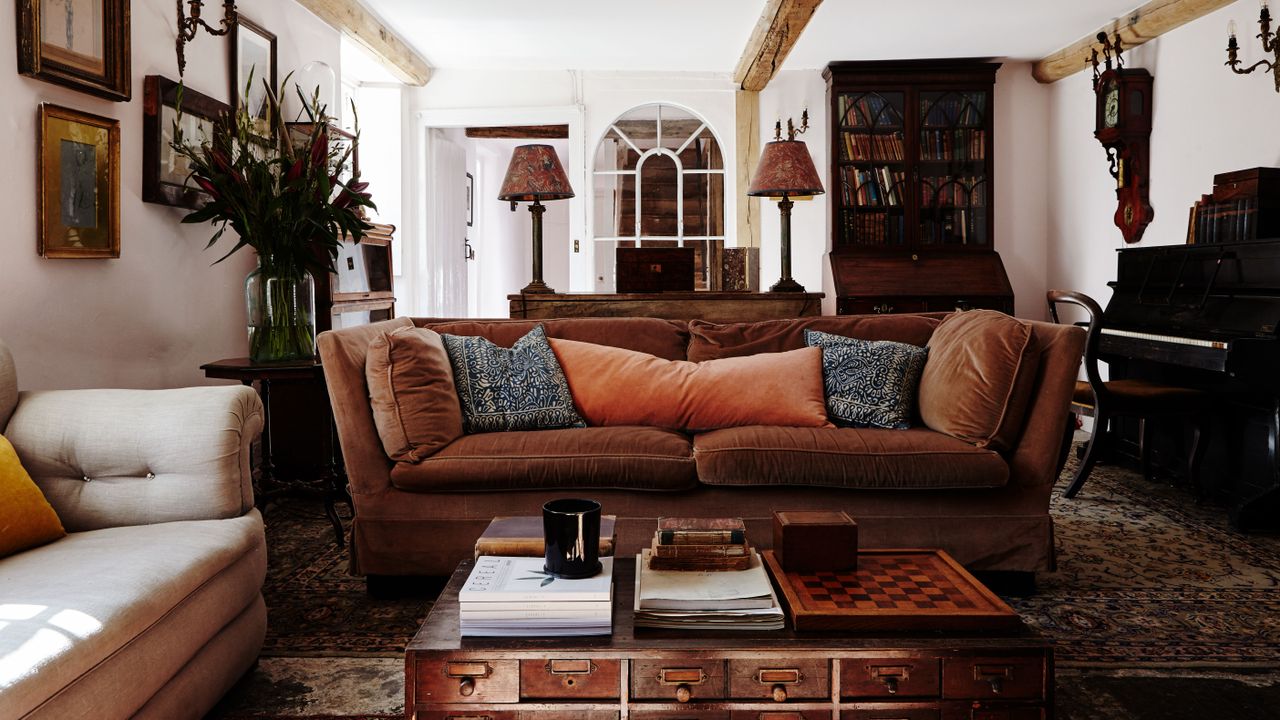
(151, 606)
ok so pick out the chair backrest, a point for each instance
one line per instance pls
(8, 385)
(1094, 311)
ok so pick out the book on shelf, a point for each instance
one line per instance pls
(868, 110)
(521, 579)
(880, 146)
(517, 616)
(701, 531)
(699, 552)
(741, 599)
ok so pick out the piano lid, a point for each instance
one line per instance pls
(1213, 291)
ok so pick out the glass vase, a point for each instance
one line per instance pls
(281, 309)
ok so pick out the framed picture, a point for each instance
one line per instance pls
(78, 184)
(253, 54)
(471, 216)
(83, 44)
(164, 171)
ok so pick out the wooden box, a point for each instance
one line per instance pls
(654, 269)
(805, 541)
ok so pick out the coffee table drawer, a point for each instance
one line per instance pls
(781, 715)
(565, 677)
(677, 680)
(569, 714)
(779, 680)
(481, 680)
(690, 714)
(891, 713)
(891, 677)
(1008, 714)
(982, 678)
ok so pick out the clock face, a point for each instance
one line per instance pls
(1111, 106)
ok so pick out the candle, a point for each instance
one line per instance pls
(1231, 29)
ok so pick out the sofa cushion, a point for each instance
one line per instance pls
(26, 518)
(634, 458)
(411, 393)
(978, 380)
(667, 339)
(855, 458)
(708, 341)
(122, 608)
(869, 383)
(612, 386)
(516, 388)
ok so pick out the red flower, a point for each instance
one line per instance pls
(207, 187)
(295, 171)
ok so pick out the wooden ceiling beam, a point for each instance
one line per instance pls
(776, 32)
(521, 132)
(355, 21)
(1142, 25)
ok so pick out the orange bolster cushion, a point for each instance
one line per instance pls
(612, 386)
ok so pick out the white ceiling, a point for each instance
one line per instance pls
(709, 35)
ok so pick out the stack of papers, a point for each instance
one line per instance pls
(721, 600)
(515, 597)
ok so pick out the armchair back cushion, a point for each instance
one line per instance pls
(667, 339)
(107, 458)
(8, 385)
(708, 341)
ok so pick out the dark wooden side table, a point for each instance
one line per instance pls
(331, 485)
(722, 307)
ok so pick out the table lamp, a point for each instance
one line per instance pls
(786, 169)
(534, 175)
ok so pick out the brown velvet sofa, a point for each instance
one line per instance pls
(906, 488)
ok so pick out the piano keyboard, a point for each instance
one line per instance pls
(1215, 344)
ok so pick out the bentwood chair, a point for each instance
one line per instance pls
(1131, 397)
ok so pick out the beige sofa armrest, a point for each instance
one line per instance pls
(108, 458)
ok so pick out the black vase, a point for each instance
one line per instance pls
(571, 529)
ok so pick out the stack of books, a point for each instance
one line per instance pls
(515, 597)
(700, 544)
(720, 600)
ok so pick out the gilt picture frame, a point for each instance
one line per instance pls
(82, 44)
(77, 184)
(164, 172)
(253, 54)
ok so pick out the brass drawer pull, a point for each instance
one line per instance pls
(682, 676)
(890, 675)
(994, 675)
(883, 309)
(773, 676)
(468, 669)
(570, 667)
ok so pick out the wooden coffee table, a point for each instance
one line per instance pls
(780, 675)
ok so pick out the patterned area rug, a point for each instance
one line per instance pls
(1146, 578)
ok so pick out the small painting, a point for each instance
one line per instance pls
(253, 68)
(83, 44)
(169, 109)
(78, 176)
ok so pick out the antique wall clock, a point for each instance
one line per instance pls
(1123, 126)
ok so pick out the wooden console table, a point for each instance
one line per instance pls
(706, 305)
(669, 674)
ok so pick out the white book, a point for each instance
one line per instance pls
(536, 632)
(594, 616)
(588, 606)
(521, 579)
(704, 590)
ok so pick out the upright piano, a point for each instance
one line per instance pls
(1206, 316)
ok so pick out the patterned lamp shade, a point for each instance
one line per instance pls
(535, 174)
(785, 169)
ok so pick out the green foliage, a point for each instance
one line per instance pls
(281, 194)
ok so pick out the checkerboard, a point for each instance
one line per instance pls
(884, 582)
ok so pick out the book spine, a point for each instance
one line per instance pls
(516, 547)
(465, 615)
(471, 596)
(701, 537)
(736, 563)
(699, 551)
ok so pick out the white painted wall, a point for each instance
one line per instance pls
(1206, 121)
(151, 317)
(1021, 184)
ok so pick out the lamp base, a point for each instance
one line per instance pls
(787, 285)
(537, 287)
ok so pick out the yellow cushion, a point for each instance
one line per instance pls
(26, 518)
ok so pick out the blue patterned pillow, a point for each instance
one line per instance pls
(869, 383)
(521, 388)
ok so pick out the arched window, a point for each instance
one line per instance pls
(659, 182)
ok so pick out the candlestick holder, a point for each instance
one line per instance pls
(1269, 44)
